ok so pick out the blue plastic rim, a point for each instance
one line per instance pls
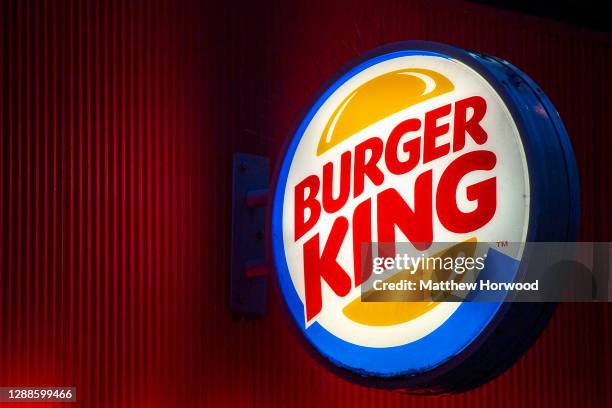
(555, 207)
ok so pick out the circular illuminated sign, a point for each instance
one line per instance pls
(420, 143)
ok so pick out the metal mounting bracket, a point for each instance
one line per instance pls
(249, 272)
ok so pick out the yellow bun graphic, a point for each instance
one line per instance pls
(387, 308)
(378, 98)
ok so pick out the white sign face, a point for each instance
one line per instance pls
(418, 148)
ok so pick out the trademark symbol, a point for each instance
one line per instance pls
(502, 244)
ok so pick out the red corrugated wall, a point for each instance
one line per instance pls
(118, 122)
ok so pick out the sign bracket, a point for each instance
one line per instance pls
(248, 267)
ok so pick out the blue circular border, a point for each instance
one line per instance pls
(471, 323)
(465, 324)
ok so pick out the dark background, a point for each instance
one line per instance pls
(118, 122)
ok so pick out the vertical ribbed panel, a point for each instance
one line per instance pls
(118, 122)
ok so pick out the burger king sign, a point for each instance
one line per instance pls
(418, 142)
